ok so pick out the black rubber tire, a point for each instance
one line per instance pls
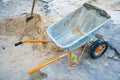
(95, 45)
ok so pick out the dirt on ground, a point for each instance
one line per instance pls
(34, 28)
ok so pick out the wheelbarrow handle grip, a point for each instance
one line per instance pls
(18, 43)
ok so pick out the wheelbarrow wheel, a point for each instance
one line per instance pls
(98, 48)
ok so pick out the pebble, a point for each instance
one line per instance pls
(3, 48)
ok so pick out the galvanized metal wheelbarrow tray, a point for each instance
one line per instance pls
(75, 30)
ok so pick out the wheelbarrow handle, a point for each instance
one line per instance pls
(25, 41)
(18, 43)
(47, 63)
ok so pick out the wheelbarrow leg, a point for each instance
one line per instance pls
(83, 50)
(70, 63)
(78, 60)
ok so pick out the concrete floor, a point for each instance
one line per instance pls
(16, 61)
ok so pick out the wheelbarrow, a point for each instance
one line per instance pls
(74, 31)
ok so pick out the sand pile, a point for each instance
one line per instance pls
(35, 29)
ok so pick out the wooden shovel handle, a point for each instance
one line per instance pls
(33, 5)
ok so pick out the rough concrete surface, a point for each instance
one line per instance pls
(16, 61)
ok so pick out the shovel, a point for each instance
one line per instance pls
(31, 16)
